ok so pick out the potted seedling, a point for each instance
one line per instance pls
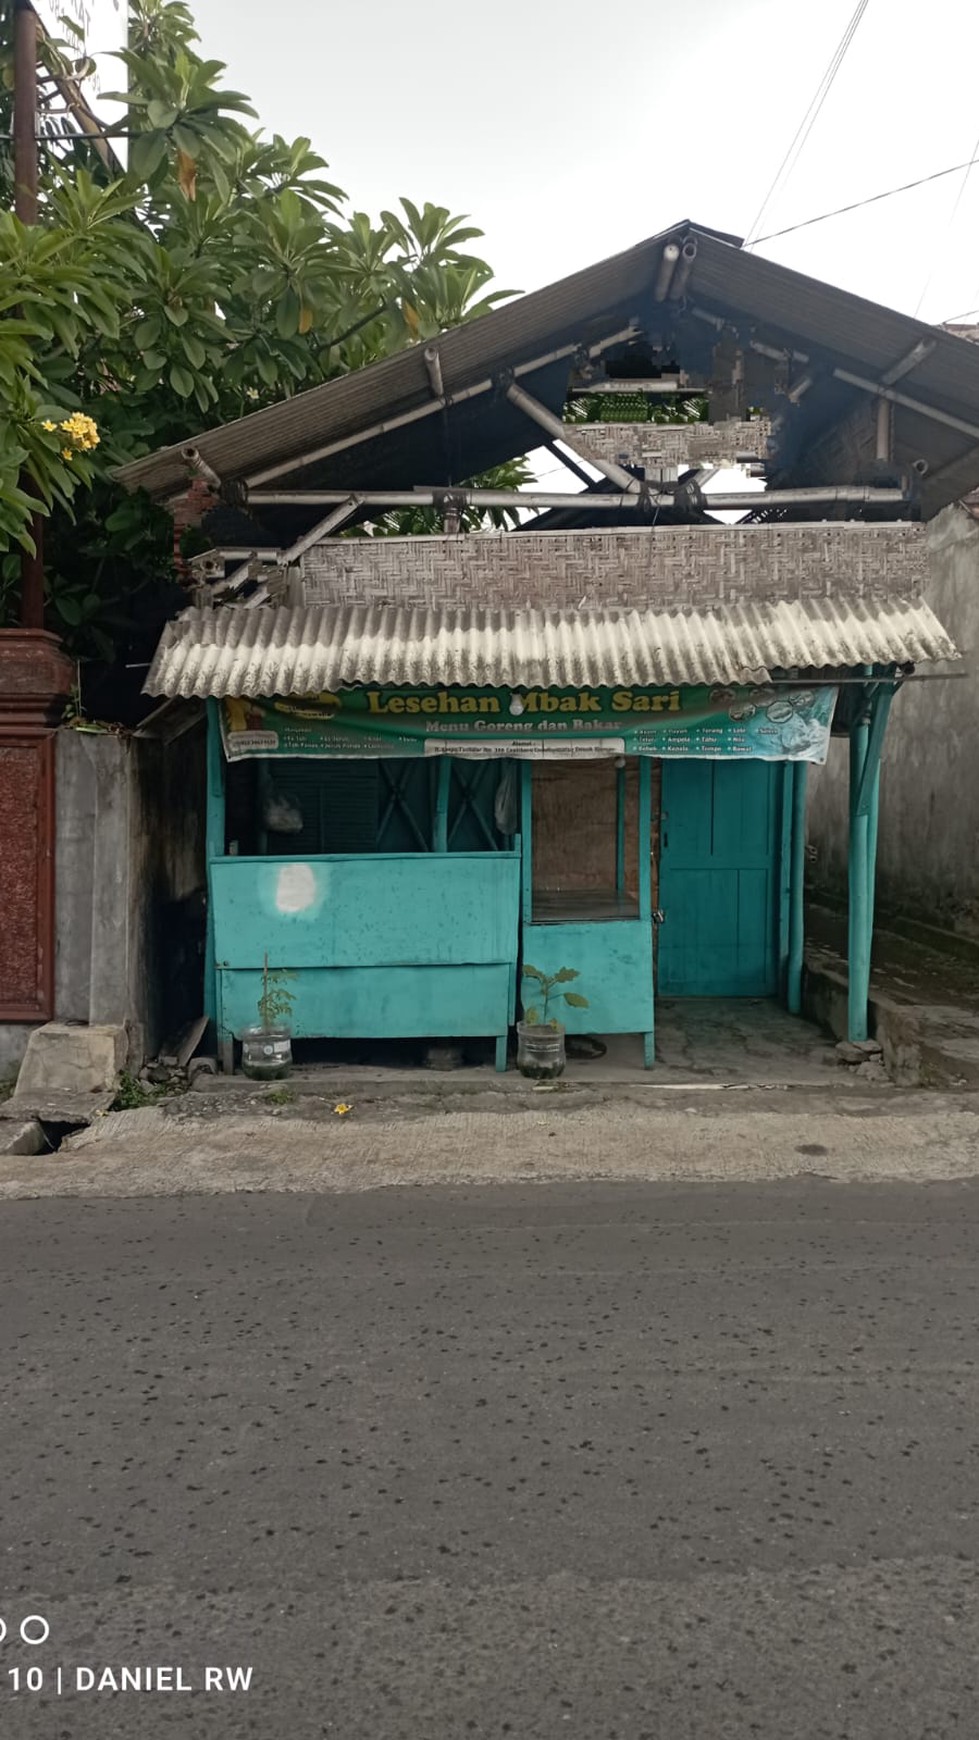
(266, 1049)
(540, 1037)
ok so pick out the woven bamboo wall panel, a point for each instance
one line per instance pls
(574, 825)
(675, 566)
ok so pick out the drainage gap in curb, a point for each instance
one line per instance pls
(56, 1133)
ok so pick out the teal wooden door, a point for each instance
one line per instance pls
(718, 879)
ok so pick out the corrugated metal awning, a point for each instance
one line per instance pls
(303, 651)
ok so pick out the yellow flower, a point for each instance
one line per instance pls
(81, 430)
(49, 426)
(67, 453)
(341, 1110)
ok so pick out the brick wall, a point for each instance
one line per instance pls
(693, 566)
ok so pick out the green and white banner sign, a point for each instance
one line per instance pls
(766, 723)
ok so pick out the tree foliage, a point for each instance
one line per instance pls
(221, 273)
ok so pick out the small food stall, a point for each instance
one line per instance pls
(379, 843)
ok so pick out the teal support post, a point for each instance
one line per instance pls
(869, 794)
(214, 847)
(858, 879)
(787, 772)
(797, 884)
(526, 840)
(646, 883)
(620, 830)
(873, 817)
(440, 842)
(866, 741)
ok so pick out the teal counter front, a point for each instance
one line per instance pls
(604, 935)
(386, 946)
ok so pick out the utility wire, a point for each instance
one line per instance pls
(809, 120)
(857, 204)
(948, 228)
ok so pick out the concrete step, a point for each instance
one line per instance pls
(925, 1044)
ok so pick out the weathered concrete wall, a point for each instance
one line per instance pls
(129, 880)
(928, 851)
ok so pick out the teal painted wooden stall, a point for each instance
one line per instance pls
(604, 935)
(420, 930)
(414, 944)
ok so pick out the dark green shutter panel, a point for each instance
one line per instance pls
(337, 801)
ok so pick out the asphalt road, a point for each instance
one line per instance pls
(606, 1462)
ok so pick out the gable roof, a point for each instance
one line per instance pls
(330, 436)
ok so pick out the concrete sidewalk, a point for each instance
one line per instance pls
(486, 1138)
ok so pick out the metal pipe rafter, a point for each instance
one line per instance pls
(560, 431)
(502, 498)
(299, 461)
(879, 390)
(915, 355)
(322, 529)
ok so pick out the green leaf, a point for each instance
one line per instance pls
(287, 314)
(533, 973)
(69, 609)
(147, 154)
(532, 1017)
(193, 350)
(564, 976)
(181, 380)
(187, 140)
(576, 1000)
(161, 115)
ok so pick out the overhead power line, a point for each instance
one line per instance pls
(948, 228)
(840, 210)
(809, 120)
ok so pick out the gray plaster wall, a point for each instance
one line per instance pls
(129, 878)
(928, 848)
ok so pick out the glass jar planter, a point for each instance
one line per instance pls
(540, 1050)
(266, 1053)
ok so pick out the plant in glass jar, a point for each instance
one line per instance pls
(540, 1037)
(266, 1049)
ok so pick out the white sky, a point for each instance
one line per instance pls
(569, 130)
